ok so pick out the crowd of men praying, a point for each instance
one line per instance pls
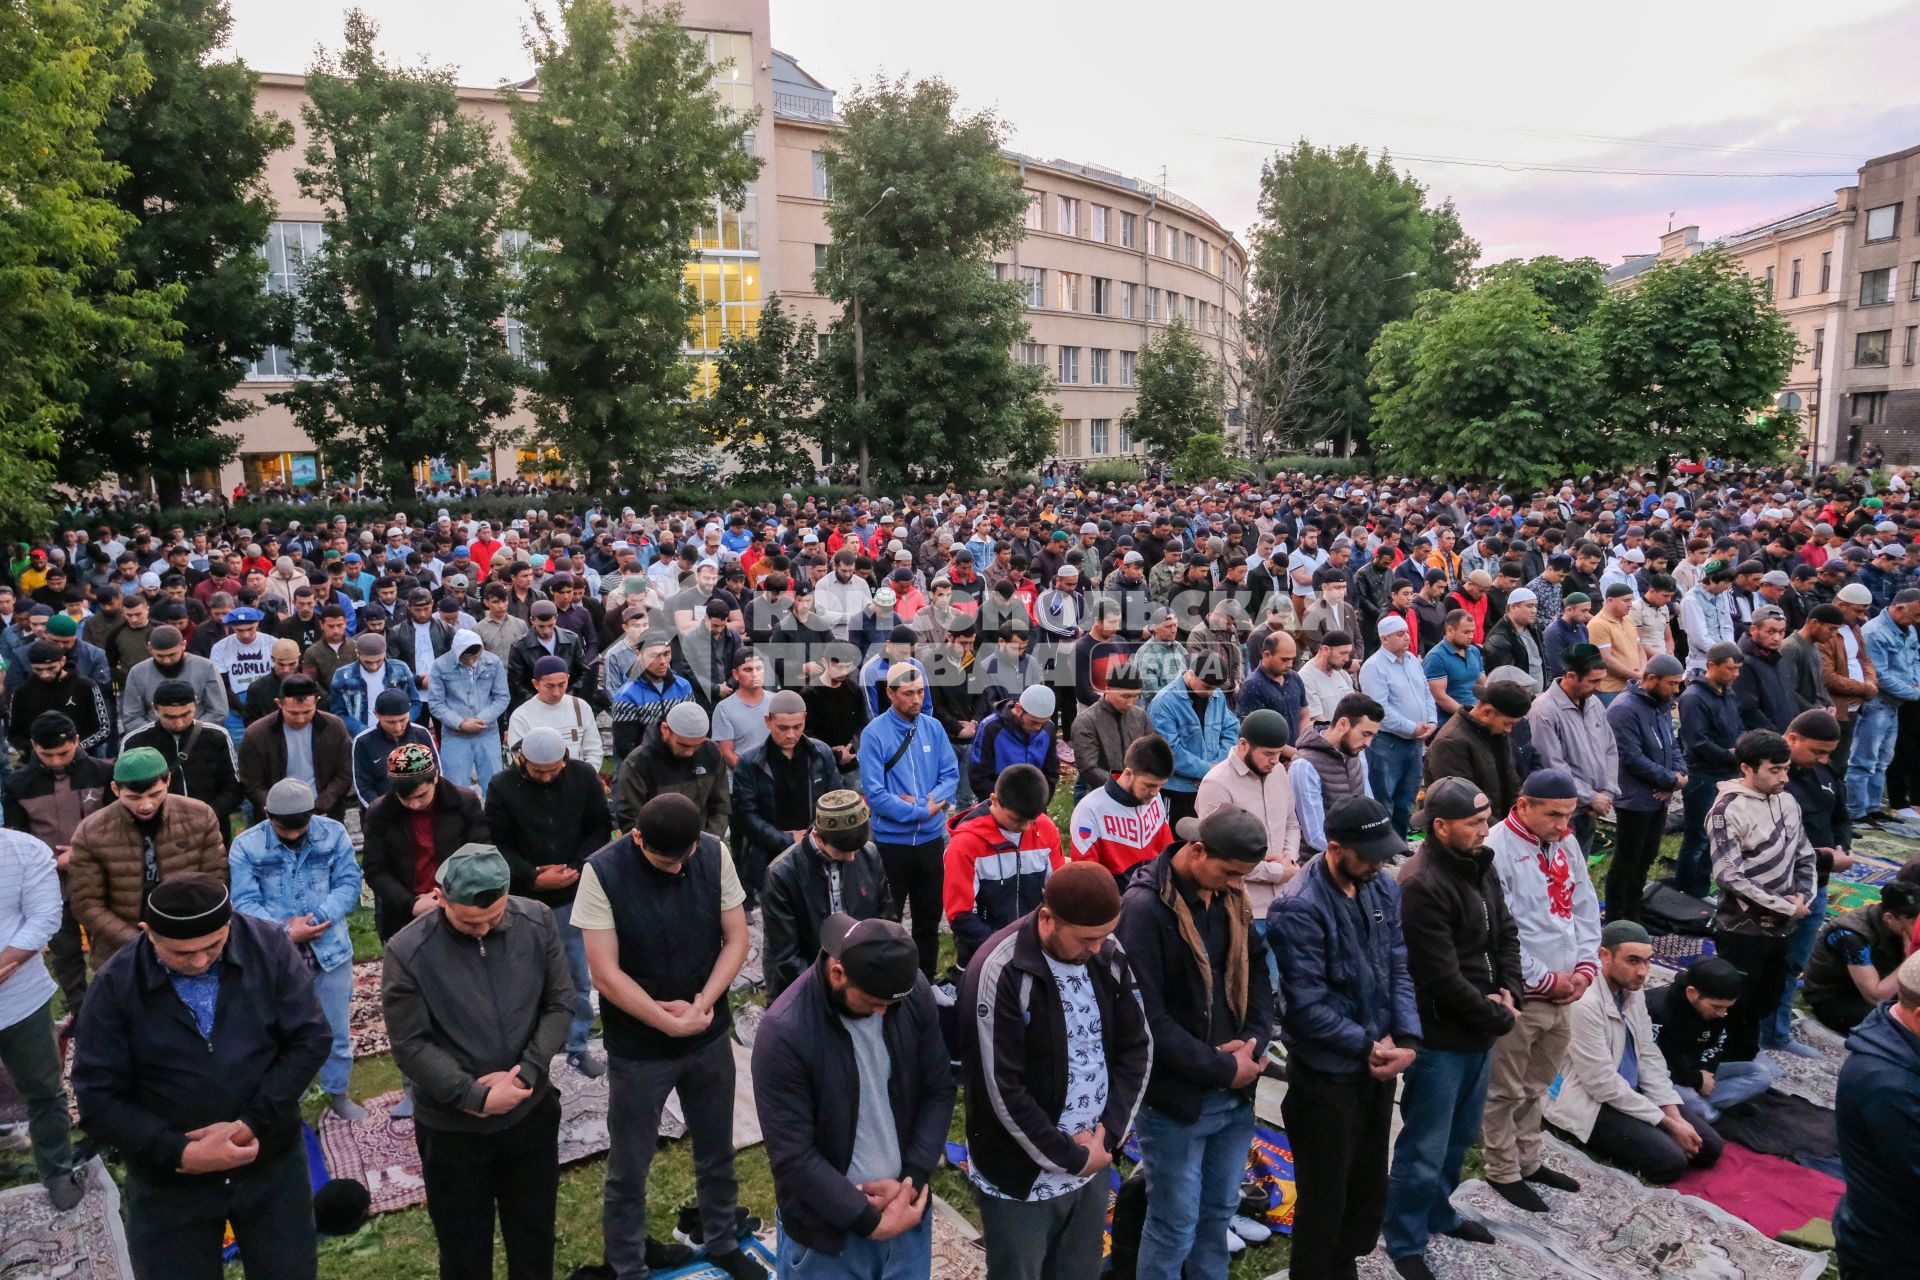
(1336, 757)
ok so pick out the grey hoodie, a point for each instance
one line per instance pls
(209, 692)
(1761, 856)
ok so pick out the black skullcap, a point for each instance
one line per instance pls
(190, 905)
(173, 693)
(1821, 726)
(1083, 894)
(669, 825)
(392, 702)
(44, 651)
(52, 729)
(1713, 977)
(1335, 640)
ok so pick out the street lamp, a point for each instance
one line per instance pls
(860, 340)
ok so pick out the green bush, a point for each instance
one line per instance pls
(1115, 472)
(1314, 464)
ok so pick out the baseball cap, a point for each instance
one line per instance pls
(1362, 825)
(474, 875)
(1228, 832)
(879, 955)
(1450, 798)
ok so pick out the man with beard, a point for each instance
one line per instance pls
(53, 685)
(47, 797)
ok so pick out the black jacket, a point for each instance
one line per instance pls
(1878, 1116)
(1174, 988)
(144, 1076)
(757, 838)
(387, 852)
(1016, 1054)
(706, 660)
(527, 651)
(652, 769)
(1504, 648)
(536, 824)
(202, 762)
(807, 1087)
(1762, 689)
(1462, 946)
(83, 701)
(1688, 1042)
(400, 637)
(797, 898)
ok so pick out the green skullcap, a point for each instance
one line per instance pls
(139, 767)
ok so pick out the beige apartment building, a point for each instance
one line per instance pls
(1846, 274)
(1105, 260)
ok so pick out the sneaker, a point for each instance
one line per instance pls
(1519, 1195)
(665, 1255)
(1545, 1177)
(687, 1228)
(403, 1109)
(1249, 1230)
(1413, 1267)
(67, 1189)
(344, 1107)
(588, 1063)
(739, 1264)
(945, 994)
(1235, 1244)
(1470, 1231)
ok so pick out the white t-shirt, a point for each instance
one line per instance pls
(571, 718)
(242, 664)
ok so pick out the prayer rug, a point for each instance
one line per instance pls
(1844, 896)
(1457, 1260)
(1779, 1124)
(1270, 1169)
(751, 976)
(957, 1254)
(1814, 1079)
(364, 1015)
(1616, 1228)
(85, 1243)
(746, 1116)
(746, 1021)
(1677, 950)
(701, 1269)
(1769, 1194)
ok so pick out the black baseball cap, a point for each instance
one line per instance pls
(1362, 825)
(880, 956)
(1451, 798)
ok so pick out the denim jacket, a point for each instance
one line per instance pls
(275, 882)
(456, 691)
(348, 692)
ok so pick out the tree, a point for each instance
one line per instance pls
(1361, 239)
(1484, 383)
(763, 397)
(399, 313)
(920, 377)
(1202, 457)
(627, 153)
(1688, 360)
(61, 63)
(1572, 289)
(1284, 365)
(1179, 393)
(194, 153)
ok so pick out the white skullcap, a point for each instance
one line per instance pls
(1037, 700)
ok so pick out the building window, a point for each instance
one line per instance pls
(1102, 219)
(1128, 222)
(1870, 349)
(1191, 242)
(1876, 287)
(1770, 282)
(1070, 438)
(1103, 360)
(1097, 435)
(1069, 292)
(822, 189)
(1034, 280)
(1913, 285)
(1069, 216)
(1819, 348)
(1173, 306)
(1907, 351)
(1153, 304)
(1070, 366)
(1883, 223)
(819, 257)
(1126, 374)
(1153, 236)
(1192, 304)
(1793, 280)
(1102, 296)
(1126, 434)
(1036, 212)
(1030, 353)
(289, 246)
(1129, 300)
(728, 290)
(1826, 272)
(1869, 407)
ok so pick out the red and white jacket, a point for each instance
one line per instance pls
(1112, 830)
(1552, 903)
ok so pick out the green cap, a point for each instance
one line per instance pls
(139, 767)
(62, 626)
(474, 875)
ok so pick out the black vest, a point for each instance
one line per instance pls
(668, 928)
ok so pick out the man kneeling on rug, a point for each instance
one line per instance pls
(1615, 1093)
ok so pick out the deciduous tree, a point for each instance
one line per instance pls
(399, 315)
(628, 157)
(1179, 393)
(764, 397)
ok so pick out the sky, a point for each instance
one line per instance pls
(1580, 130)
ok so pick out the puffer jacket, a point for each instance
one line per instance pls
(106, 876)
(992, 881)
(1344, 987)
(1760, 857)
(797, 898)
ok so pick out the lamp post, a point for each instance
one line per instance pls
(860, 345)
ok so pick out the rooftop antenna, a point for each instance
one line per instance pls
(1670, 214)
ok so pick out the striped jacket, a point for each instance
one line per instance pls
(1760, 857)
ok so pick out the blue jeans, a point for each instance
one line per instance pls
(576, 946)
(473, 756)
(335, 988)
(1606, 699)
(1441, 1104)
(236, 727)
(908, 1256)
(1194, 1173)
(1779, 1030)
(1394, 770)
(1733, 1084)
(1876, 727)
(1695, 870)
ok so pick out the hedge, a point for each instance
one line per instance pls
(1317, 465)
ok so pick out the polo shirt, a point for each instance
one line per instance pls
(1618, 640)
(1460, 670)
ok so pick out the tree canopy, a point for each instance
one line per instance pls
(761, 407)
(1179, 393)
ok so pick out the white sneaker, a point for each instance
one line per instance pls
(1234, 1243)
(1249, 1230)
(945, 994)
